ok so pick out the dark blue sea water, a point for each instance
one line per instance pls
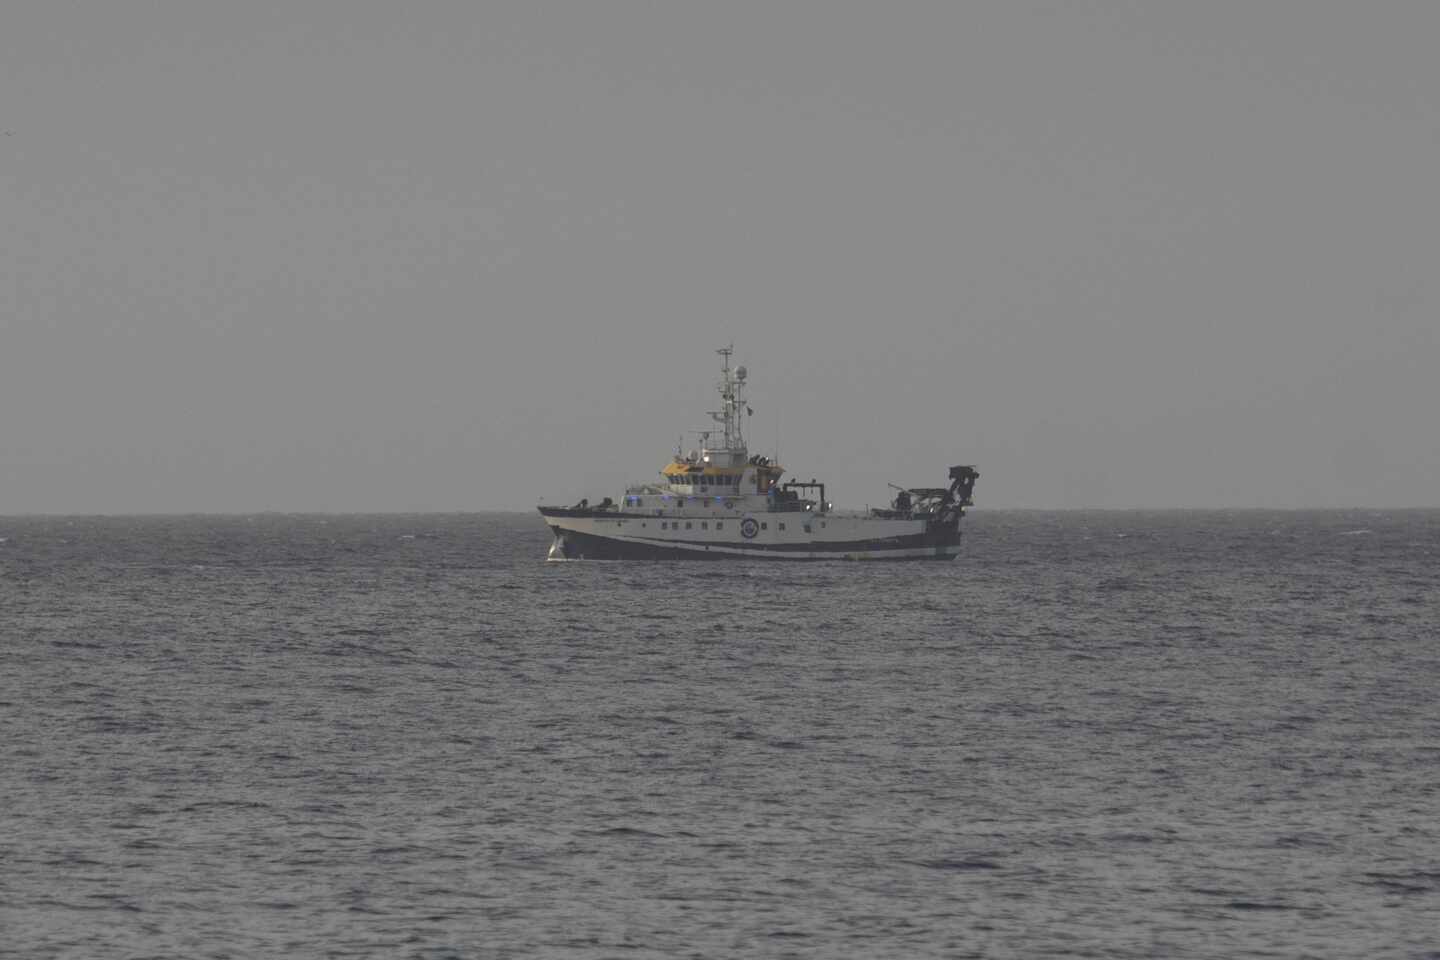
(1097, 734)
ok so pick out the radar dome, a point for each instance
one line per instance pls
(740, 373)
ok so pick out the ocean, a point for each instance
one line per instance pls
(1096, 734)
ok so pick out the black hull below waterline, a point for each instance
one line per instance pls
(575, 545)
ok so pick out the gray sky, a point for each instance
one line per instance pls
(430, 256)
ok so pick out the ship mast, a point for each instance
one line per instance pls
(732, 390)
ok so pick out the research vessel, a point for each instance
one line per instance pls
(720, 502)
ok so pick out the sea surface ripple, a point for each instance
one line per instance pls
(1179, 734)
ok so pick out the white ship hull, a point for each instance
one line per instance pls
(590, 535)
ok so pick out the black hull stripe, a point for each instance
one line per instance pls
(913, 541)
(591, 547)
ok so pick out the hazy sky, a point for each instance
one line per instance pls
(460, 256)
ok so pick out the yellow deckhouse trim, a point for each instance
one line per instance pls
(681, 470)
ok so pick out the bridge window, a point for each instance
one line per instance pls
(688, 525)
(782, 524)
(704, 525)
(719, 524)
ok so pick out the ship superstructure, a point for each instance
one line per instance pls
(720, 502)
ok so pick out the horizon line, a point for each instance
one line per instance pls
(521, 511)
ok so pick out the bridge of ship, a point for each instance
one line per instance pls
(756, 475)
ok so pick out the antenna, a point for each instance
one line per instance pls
(777, 434)
(732, 393)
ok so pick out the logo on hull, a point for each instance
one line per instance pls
(748, 528)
